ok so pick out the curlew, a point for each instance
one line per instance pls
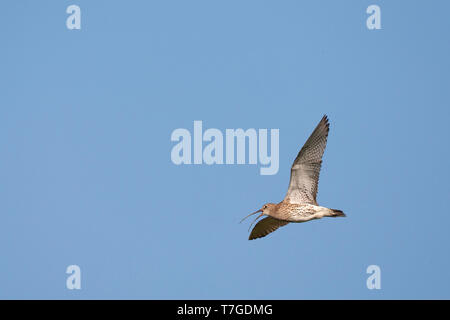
(300, 203)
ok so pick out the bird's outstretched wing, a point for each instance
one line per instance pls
(266, 226)
(306, 167)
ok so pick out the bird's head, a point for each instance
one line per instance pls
(265, 210)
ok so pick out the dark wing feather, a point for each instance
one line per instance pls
(266, 226)
(306, 167)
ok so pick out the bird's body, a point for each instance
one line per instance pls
(300, 203)
(293, 212)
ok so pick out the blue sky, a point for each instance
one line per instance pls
(86, 176)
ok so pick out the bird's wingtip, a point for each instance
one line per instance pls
(325, 121)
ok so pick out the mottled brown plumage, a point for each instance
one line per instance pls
(300, 203)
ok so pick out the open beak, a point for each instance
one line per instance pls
(260, 210)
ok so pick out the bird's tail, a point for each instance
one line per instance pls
(338, 213)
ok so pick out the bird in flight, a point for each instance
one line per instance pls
(300, 203)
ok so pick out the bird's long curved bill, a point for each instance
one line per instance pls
(255, 220)
(260, 210)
